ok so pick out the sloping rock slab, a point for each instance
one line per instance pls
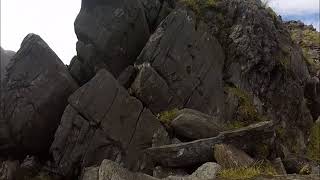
(111, 34)
(189, 60)
(192, 124)
(103, 122)
(34, 95)
(200, 151)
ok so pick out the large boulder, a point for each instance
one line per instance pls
(102, 121)
(111, 35)
(5, 59)
(187, 63)
(248, 139)
(34, 95)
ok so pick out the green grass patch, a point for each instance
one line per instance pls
(247, 172)
(198, 5)
(313, 148)
(167, 116)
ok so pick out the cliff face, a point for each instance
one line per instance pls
(5, 59)
(168, 87)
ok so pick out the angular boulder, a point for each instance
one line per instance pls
(192, 124)
(248, 139)
(151, 89)
(111, 34)
(102, 121)
(34, 95)
(188, 60)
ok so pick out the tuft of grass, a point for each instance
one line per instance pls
(167, 116)
(258, 169)
(313, 147)
(198, 5)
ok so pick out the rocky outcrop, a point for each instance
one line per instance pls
(192, 125)
(191, 153)
(34, 95)
(187, 63)
(308, 39)
(103, 122)
(111, 35)
(5, 59)
(263, 61)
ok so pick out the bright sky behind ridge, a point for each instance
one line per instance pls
(53, 21)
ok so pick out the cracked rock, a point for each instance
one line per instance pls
(34, 95)
(189, 60)
(103, 121)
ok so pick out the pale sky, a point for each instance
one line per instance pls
(53, 21)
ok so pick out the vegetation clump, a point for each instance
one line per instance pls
(198, 5)
(247, 172)
(167, 116)
(307, 39)
(313, 148)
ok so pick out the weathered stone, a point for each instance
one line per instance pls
(5, 59)
(279, 167)
(161, 172)
(103, 122)
(192, 124)
(247, 139)
(151, 89)
(111, 170)
(8, 170)
(189, 60)
(297, 165)
(263, 60)
(206, 171)
(127, 76)
(79, 71)
(34, 95)
(312, 93)
(156, 11)
(111, 34)
(230, 157)
(160, 138)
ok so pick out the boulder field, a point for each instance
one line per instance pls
(165, 89)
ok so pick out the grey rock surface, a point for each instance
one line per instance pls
(5, 59)
(103, 121)
(111, 34)
(34, 95)
(192, 124)
(189, 60)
